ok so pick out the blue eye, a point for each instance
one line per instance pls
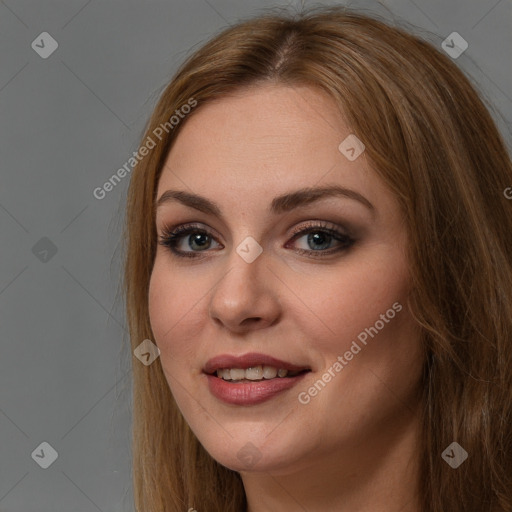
(319, 237)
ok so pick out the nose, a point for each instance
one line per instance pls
(246, 297)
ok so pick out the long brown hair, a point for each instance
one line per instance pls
(430, 137)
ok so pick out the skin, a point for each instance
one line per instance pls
(354, 446)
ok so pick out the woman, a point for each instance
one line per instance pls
(319, 245)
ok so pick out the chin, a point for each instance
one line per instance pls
(250, 450)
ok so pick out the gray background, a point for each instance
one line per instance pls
(67, 123)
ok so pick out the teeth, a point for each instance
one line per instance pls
(224, 373)
(254, 373)
(237, 374)
(269, 372)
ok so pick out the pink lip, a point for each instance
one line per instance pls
(248, 360)
(252, 392)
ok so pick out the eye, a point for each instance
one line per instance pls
(193, 236)
(318, 237)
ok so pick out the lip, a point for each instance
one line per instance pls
(249, 392)
(247, 361)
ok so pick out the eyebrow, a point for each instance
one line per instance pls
(280, 204)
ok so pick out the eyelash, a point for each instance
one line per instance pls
(171, 237)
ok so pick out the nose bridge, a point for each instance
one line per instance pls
(245, 290)
(240, 284)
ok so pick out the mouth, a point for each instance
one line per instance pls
(252, 367)
(252, 378)
(255, 373)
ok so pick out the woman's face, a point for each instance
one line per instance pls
(282, 275)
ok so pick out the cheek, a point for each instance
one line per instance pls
(381, 357)
(172, 304)
(341, 307)
(375, 334)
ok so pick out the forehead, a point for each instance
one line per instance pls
(270, 115)
(263, 132)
